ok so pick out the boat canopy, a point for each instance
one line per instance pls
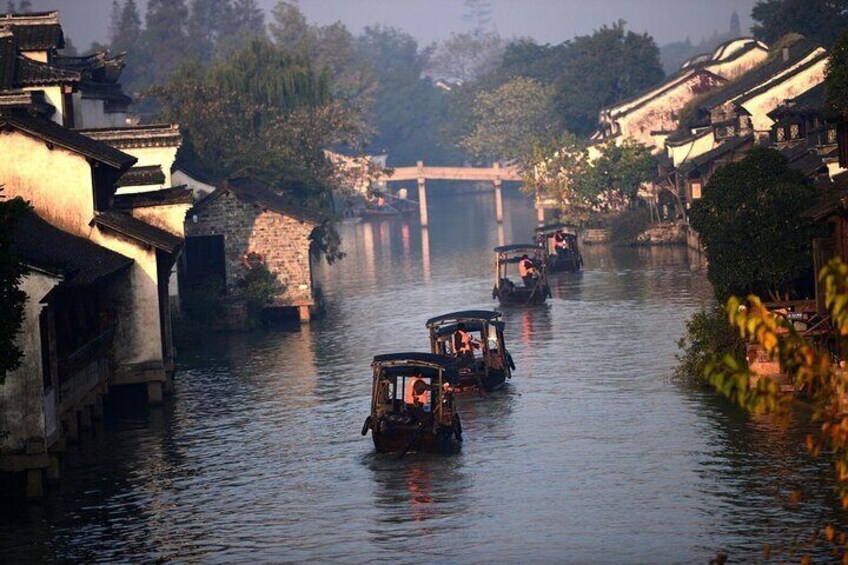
(553, 228)
(464, 315)
(427, 365)
(517, 247)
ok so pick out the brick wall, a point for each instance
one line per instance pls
(283, 242)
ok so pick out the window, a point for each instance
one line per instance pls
(780, 134)
(831, 135)
(696, 189)
(794, 131)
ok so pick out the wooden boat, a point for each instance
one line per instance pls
(487, 370)
(531, 290)
(562, 250)
(412, 404)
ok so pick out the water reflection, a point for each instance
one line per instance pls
(587, 455)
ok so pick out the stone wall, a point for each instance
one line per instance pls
(282, 241)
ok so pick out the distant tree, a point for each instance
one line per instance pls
(820, 20)
(208, 22)
(165, 37)
(748, 207)
(478, 14)
(466, 56)
(735, 27)
(409, 109)
(509, 118)
(12, 298)
(264, 113)
(289, 28)
(836, 77)
(606, 67)
(23, 7)
(248, 23)
(126, 37)
(69, 50)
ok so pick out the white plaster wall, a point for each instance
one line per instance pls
(736, 67)
(781, 91)
(53, 95)
(689, 151)
(659, 114)
(137, 338)
(170, 218)
(22, 395)
(147, 156)
(199, 189)
(56, 181)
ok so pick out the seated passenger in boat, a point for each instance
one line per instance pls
(527, 271)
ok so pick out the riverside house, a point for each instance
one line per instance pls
(242, 222)
(97, 311)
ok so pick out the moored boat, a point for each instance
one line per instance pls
(459, 334)
(412, 404)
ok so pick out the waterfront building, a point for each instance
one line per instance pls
(240, 223)
(654, 115)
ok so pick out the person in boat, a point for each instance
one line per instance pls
(464, 344)
(560, 243)
(417, 394)
(527, 271)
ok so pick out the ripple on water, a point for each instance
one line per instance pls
(588, 455)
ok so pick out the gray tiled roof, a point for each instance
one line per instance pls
(81, 262)
(69, 139)
(138, 230)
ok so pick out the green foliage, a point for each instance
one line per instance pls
(836, 77)
(626, 226)
(203, 301)
(12, 298)
(812, 370)
(624, 167)
(259, 286)
(708, 335)
(509, 118)
(604, 68)
(561, 170)
(749, 220)
(409, 111)
(466, 56)
(820, 20)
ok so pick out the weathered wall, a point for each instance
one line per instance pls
(199, 189)
(282, 241)
(56, 181)
(759, 106)
(661, 114)
(170, 218)
(137, 337)
(22, 395)
(733, 68)
(691, 149)
(147, 156)
(53, 95)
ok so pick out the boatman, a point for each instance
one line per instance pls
(527, 271)
(417, 393)
(464, 344)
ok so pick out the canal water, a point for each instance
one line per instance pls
(590, 454)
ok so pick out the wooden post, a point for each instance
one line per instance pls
(422, 195)
(498, 195)
(540, 215)
(154, 392)
(34, 483)
(303, 313)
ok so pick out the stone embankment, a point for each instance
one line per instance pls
(667, 233)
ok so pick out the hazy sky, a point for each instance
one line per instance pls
(546, 21)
